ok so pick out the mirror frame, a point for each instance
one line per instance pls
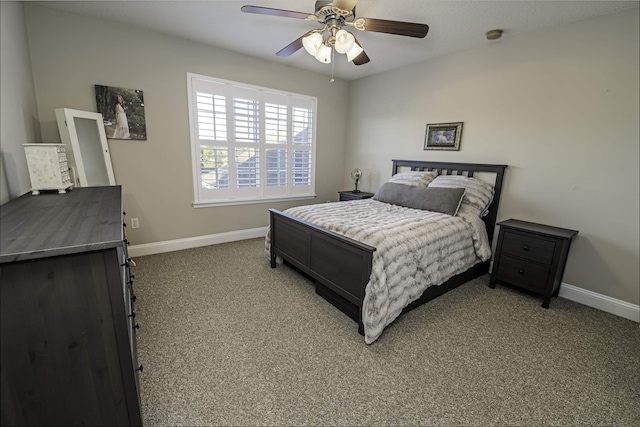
(69, 136)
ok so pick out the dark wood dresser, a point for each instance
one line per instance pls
(351, 195)
(68, 325)
(531, 256)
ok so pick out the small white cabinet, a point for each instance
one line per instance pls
(48, 168)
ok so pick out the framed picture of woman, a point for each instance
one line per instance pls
(122, 112)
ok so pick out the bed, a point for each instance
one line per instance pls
(351, 266)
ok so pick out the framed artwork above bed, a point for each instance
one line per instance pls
(443, 136)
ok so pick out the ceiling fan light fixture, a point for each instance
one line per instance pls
(354, 52)
(324, 53)
(312, 42)
(336, 17)
(344, 41)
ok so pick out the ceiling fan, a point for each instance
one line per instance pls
(334, 16)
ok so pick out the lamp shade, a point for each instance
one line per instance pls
(324, 54)
(356, 174)
(354, 52)
(312, 42)
(344, 41)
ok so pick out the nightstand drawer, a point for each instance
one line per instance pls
(528, 247)
(521, 272)
(350, 195)
(531, 256)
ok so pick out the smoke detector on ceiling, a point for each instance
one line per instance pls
(494, 34)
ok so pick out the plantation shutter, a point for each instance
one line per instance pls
(250, 143)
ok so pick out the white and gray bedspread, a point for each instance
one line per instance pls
(415, 249)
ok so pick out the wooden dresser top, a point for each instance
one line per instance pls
(52, 224)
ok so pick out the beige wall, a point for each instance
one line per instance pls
(18, 113)
(559, 106)
(70, 54)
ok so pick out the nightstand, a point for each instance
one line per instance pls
(350, 195)
(531, 256)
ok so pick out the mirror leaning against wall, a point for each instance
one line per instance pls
(89, 157)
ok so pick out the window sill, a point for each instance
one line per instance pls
(233, 202)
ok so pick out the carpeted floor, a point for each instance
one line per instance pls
(226, 340)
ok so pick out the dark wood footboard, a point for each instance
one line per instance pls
(341, 266)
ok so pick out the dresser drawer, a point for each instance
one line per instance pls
(521, 272)
(528, 247)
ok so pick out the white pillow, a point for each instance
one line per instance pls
(414, 178)
(478, 195)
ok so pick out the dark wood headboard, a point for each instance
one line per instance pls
(466, 169)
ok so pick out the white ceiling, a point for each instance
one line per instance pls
(454, 25)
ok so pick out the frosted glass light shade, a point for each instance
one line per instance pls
(312, 42)
(324, 54)
(354, 52)
(344, 41)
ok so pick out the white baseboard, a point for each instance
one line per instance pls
(570, 292)
(596, 300)
(601, 302)
(195, 242)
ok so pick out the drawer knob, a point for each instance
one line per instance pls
(139, 368)
(525, 248)
(128, 262)
(134, 298)
(132, 315)
(137, 326)
(521, 271)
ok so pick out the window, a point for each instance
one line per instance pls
(249, 143)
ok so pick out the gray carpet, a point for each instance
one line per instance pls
(226, 340)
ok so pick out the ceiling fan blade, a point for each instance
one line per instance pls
(400, 28)
(347, 5)
(274, 12)
(293, 46)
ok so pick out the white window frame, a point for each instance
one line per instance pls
(203, 197)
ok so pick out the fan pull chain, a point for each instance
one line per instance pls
(333, 62)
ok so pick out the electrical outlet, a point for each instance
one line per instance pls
(135, 223)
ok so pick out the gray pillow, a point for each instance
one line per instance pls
(435, 199)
